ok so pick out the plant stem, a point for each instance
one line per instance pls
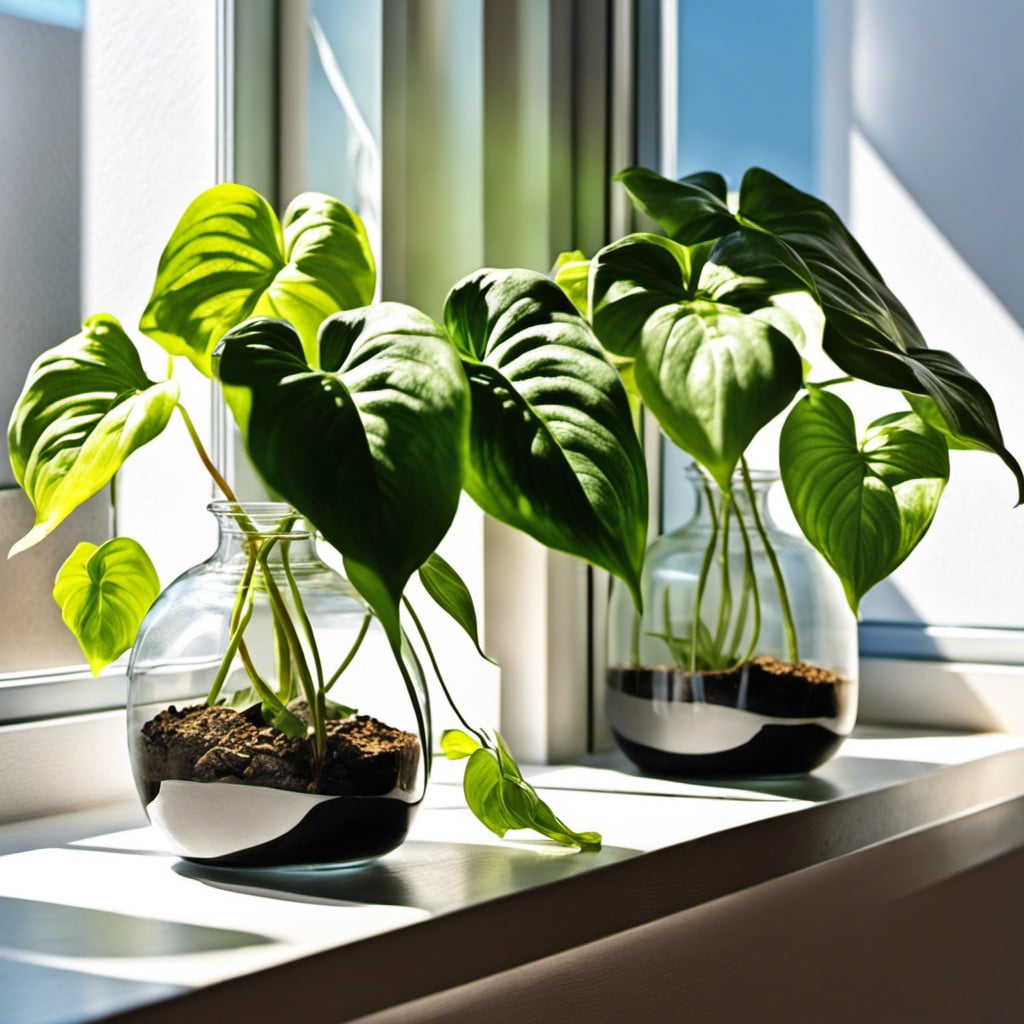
(219, 480)
(705, 569)
(792, 649)
(829, 383)
(352, 652)
(725, 601)
(749, 590)
(437, 672)
(237, 630)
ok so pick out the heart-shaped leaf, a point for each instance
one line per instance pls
(369, 448)
(553, 451)
(866, 506)
(635, 276)
(502, 799)
(447, 588)
(229, 259)
(868, 332)
(86, 406)
(104, 593)
(713, 377)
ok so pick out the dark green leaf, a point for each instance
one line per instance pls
(866, 506)
(552, 446)
(691, 210)
(104, 593)
(446, 587)
(369, 448)
(714, 377)
(868, 332)
(86, 406)
(229, 258)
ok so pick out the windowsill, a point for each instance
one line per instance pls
(111, 924)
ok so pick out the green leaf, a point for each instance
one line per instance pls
(455, 744)
(104, 593)
(369, 448)
(691, 210)
(866, 506)
(229, 259)
(86, 406)
(572, 274)
(502, 799)
(553, 451)
(337, 712)
(633, 278)
(283, 720)
(868, 332)
(713, 378)
(446, 587)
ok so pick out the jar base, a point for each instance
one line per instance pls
(775, 750)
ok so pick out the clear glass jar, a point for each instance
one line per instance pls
(229, 760)
(712, 682)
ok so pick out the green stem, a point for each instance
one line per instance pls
(229, 653)
(307, 626)
(705, 570)
(352, 652)
(792, 649)
(206, 460)
(725, 602)
(481, 738)
(749, 590)
(829, 383)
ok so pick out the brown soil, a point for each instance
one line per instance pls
(364, 757)
(773, 687)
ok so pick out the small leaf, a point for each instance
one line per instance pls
(241, 700)
(285, 721)
(86, 406)
(446, 587)
(455, 744)
(864, 507)
(104, 593)
(337, 712)
(552, 449)
(572, 274)
(503, 800)
(369, 448)
(230, 259)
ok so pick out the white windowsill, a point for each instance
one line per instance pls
(109, 923)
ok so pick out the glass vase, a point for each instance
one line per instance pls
(745, 659)
(269, 723)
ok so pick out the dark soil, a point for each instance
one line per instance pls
(364, 757)
(773, 688)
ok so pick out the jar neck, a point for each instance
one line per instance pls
(273, 529)
(710, 501)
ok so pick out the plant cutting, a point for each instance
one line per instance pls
(744, 659)
(255, 677)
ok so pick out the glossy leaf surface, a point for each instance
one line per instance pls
(502, 799)
(104, 593)
(572, 274)
(691, 210)
(230, 258)
(448, 590)
(863, 506)
(553, 451)
(86, 406)
(369, 448)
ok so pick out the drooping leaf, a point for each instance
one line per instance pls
(863, 506)
(104, 593)
(447, 588)
(691, 210)
(713, 378)
(552, 447)
(230, 258)
(86, 406)
(502, 799)
(868, 332)
(370, 448)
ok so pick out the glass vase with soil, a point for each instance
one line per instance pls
(744, 661)
(269, 723)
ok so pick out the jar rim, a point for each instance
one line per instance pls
(264, 515)
(759, 476)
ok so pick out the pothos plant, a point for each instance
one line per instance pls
(700, 323)
(368, 418)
